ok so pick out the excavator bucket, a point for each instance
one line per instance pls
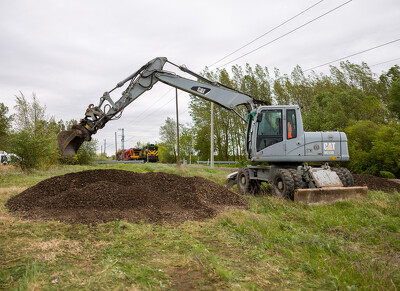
(69, 141)
(329, 194)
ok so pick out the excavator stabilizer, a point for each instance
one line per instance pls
(329, 194)
(69, 141)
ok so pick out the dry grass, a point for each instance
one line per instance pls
(45, 250)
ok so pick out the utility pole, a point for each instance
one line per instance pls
(116, 147)
(105, 146)
(122, 143)
(178, 162)
(190, 152)
(212, 134)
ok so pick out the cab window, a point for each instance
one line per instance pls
(291, 125)
(269, 129)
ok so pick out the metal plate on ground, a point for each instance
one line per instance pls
(326, 178)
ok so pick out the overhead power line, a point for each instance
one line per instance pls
(151, 106)
(264, 34)
(156, 110)
(352, 55)
(385, 62)
(138, 119)
(293, 30)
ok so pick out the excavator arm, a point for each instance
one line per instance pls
(139, 82)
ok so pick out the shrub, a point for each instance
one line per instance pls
(387, 175)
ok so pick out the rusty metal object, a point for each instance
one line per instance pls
(69, 141)
(329, 194)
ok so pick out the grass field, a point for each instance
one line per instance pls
(276, 244)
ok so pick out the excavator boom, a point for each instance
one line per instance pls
(139, 82)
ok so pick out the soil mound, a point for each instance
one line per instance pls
(97, 196)
(376, 183)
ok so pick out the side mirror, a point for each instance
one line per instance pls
(259, 117)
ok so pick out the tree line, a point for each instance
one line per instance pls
(32, 136)
(350, 98)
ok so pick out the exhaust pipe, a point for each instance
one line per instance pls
(69, 141)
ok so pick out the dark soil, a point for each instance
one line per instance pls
(376, 183)
(98, 196)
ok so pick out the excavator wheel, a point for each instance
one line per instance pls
(283, 184)
(345, 176)
(298, 181)
(348, 176)
(245, 185)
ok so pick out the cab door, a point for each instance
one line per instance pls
(269, 141)
(294, 145)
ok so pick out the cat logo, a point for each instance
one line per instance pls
(329, 148)
(201, 90)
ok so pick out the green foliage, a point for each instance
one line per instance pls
(32, 148)
(386, 81)
(164, 154)
(34, 137)
(394, 93)
(387, 175)
(85, 155)
(87, 152)
(339, 109)
(186, 140)
(374, 148)
(168, 141)
(5, 124)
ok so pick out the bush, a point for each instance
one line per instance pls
(374, 148)
(85, 155)
(387, 175)
(33, 149)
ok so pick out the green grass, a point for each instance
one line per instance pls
(276, 245)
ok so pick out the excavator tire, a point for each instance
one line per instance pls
(245, 185)
(345, 176)
(298, 181)
(283, 184)
(348, 176)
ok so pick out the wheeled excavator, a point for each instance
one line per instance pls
(274, 134)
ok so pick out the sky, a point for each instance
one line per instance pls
(69, 52)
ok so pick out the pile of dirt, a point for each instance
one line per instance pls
(98, 196)
(376, 183)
